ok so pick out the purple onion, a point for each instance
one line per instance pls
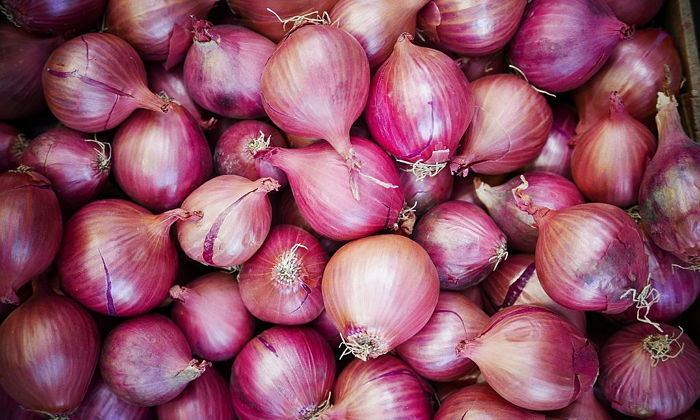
(103, 404)
(207, 397)
(556, 155)
(172, 84)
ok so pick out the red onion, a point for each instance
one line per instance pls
(207, 397)
(172, 84)
(420, 105)
(425, 193)
(236, 216)
(283, 373)
(223, 68)
(93, 82)
(478, 402)
(379, 291)
(48, 352)
(77, 166)
(286, 212)
(544, 188)
(103, 404)
(281, 283)
(635, 70)
(647, 374)
(669, 193)
(533, 358)
(160, 31)
(586, 406)
(431, 352)
(509, 129)
(556, 154)
(473, 27)
(159, 159)
(636, 14)
(117, 258)
(463, 242)
(325, 195)
(147, 361)
(32, 239)
(211, 314)
(324, 326)
(10, 138)
(476, 67)
(53, 16)
(11, 410)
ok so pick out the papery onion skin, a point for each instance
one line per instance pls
(103, 404)
(11, 410)
(53, 16)
(211, 314)
(427, 192)
(635, 14)
(586, 406)
(207, 397)
(32, 239)
(379, 291)
(509, 128)
(420, 104)
(431, 352)
(463, 241)
(533, 358)
(95, 81)
(146, 360)
(636, 387)
(172, 83)
(472, 27)
(480, 402)
(476, 67)
(283, 373)
(556, 154)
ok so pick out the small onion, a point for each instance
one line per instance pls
(480, 402)
(102, 404)
(476, 67)
(206, 397)
(636, 14)
(172, 84)
(556, 154)
(53, 16)
(422, 194)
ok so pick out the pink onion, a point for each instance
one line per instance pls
(425, 193)
(431, 352)
(101, 403)
(10, 138)
(533, 358)
(556, 154)
(476, 67)
(93, 82)
(207, 397)
(117, 258)
(473, 27)
(379, 291)
(53, 16)
(283, 373)
(509, 129)
(636, 14)
(478, 402)
(172, 84)
(211, 314)
(561, 44)
(11, 410)
(31, 232)
(463, 241)
(647, 374)
(236, 216)
(223, 68)
(586, 406)
(159, 159)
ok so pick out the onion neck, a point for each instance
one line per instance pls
(193, 371)
(320, 412)
(668, 121)
(19, 146)
(485, 193)
(149, 100)
(180, 293)
(203, 32)
(524, 203)
(267, 185)
(103, 154)
(617, 106)
(404, 42)
(163, 221)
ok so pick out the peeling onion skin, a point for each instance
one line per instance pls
(103, 404)
(480, 402)
(172, 83)
(207, 397)
(556, 154)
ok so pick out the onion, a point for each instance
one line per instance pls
(473, 27)
(171, 83)
(556, 154)
(376, 24)
(586, 406)
(479, 402)
(609, 159)
(419, 107)
(670, 193)
(53, 16)
(77, 166)
(544, 188)
(431, 352)
(635, 14)
(635, 70)
(476, 67)
(10, 138)
(516, 283)
(48, 352)
(11, 410)
(281, 283)
(159, 159)
(207, 397)
(211, 314)
(324, 326)
(236, 216)
(509, 129)
(379, 291)
(425, 193)
(103, 404)
(158, 30)
(644, 373)
(463, 190)
(283, 373)
(93, 82)
(117, 258)
(32, 239)
(463, 242)
(223, 68)
(147, 361)
(533, 358)
(21, 65)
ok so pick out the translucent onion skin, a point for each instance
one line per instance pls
(635, 14)
(211, 314)
(509, 129)
(283, 373)
(117, 258)
(463, 241)
(172, 83)
(32, 239)
(420, 104)
(556, 154)
(533, 358)
(431, 352)
(236, 217)
(53, 16)
(379, 291)
(638, 386)
(207, 397)
(103, 404)
(562, 44)
(480, 402)
(95, 81)
(427, 192)
(472, 27)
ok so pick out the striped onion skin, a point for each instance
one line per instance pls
(481, 402)
(207, 397)
(54, 16)
(101, 403)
